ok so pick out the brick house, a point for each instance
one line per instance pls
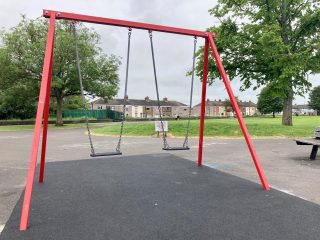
(146, 108)
(219, 108)
(303, 110)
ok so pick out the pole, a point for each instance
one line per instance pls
(203, 100)
(238, 113)
(37, 128)
(45, 125)
(123, 23)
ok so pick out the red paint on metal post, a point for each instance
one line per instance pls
(37, 129)
(203, 101)
(123, 23)
(45, 124)
(238, 113)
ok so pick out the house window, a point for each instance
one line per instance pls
(148, 108)
(185, 109)
(112, 108)
(99, 107)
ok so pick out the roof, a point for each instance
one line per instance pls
(139, 102)
(220, 103)
(301, 106)
(212, 103)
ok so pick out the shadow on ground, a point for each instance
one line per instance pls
(158, 196)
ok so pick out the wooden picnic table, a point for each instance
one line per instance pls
(315, 142)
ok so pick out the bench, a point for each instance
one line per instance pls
(310, 141)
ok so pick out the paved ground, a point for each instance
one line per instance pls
(286, 165)
(158, 196)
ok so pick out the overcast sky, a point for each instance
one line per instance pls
(173, 52)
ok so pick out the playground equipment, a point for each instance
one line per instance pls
(44, 96)
(93, 152)
(164, 136)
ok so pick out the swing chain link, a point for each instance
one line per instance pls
(118, 149)
(165, 143)
(185, 143)
(84, 107)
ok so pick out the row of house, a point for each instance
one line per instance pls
(148, 108)
(303, 110)
(219, 108)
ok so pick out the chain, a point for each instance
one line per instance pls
(84, 107)
(185, 143)
(165, 143)
(125, 92)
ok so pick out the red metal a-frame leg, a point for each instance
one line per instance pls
(42, 104)
(238, 112)
(203, 100)
(45, 125)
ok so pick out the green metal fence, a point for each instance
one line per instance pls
(97, 114)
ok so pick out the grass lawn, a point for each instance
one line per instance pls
(257, 126)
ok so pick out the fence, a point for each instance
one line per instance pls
(96, 114)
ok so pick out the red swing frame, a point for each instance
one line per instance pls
(44, 96)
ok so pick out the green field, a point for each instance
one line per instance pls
(257, 126)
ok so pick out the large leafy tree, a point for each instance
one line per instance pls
(269, 101)
(314, 99)
(17, 98)
(268, 41)
(23, 50)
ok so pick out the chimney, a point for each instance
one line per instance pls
(208, 99)
(147, 99)
(126, 97)
(219, 100)
(165, 99)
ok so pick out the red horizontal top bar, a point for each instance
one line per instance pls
(123, 23)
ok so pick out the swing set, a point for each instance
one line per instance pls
(118, 148)
(44, 96)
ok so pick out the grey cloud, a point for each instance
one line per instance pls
(173, 52)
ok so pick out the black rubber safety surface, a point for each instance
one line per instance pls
(158, 197)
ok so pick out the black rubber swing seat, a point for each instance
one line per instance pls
(175, 148)
(105, 154)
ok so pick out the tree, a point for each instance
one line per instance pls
(71, 103)
(74, 102)
(269, 101)
(17, 100)
(23, 51)
(228, 105)
(271, 41)
(314, 99)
